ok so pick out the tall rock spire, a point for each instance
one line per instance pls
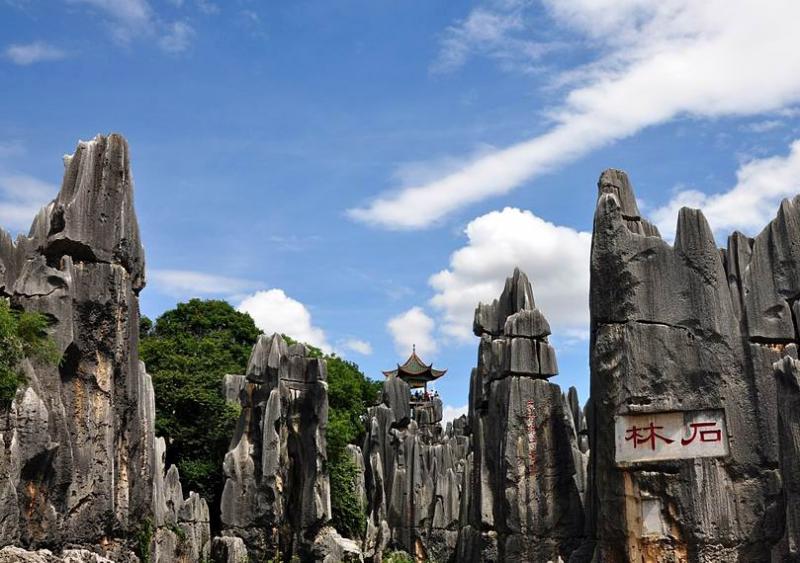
(80, 462)
(526, 478)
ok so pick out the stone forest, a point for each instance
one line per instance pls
(688, 448)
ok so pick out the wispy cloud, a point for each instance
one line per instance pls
(132, 19)
(500, 31)
(177, 37)
(656, 61)
(189, 283)
(21, 197)
(747, 206)
(24, 54)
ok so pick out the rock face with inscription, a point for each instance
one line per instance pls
(80, 463)
(687, 433)
(527, 475)
(414, 474)
(277, 493)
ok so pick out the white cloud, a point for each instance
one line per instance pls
(358, 346)
(189, 283)
(556, 259)
(450, 413)
(412, 328)
(274, 311)
(21, 197)
(760, 186)
(657, 61)
(177, 38)
(30, 53)
(134, 19)
(764, 126)
(499, 31)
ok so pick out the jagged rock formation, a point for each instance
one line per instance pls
(80, 464)
(527, 468)
(413, 475)
(277, 492)
(690, 328)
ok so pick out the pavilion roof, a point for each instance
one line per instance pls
(415, 369)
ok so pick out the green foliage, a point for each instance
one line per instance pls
(23, 335)
(349, 516)
(350, 393)
(188, 351)
(398, 557)
(144, 538)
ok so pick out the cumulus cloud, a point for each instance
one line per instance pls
(21, 197)
(189, 283)
(412, 328)
(358, 346)
(556, 259)
(760, 186)
(274, 311)
(450, 413)
(24, 54)
(655, 61)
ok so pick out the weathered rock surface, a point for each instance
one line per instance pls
(277, 492)
(414, 476)
(527, 468)
(79, 461)
(690, 327)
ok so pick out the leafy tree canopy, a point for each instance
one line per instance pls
(188, 351)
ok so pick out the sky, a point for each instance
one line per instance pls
(360, 174)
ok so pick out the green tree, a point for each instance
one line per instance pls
(188, 351)
(23, 334)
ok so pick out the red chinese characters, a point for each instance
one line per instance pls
(648, 436)
(708, 432)
(645, 435)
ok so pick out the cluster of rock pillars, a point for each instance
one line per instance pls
(688, 448)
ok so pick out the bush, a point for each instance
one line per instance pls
(349, 516)
(23, 335)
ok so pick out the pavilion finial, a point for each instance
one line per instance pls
(414, 348)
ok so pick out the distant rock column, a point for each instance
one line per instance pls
(683, 419)
(277, 492)
(525, 498)
(413, 474)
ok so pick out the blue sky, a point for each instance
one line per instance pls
(360, 173)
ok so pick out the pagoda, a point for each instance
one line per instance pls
(415, 372)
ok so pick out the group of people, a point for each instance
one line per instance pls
(420, 395)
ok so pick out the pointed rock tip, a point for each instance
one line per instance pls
(616, 182)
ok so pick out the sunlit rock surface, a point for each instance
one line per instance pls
(80, 464)
(527, 476)
(690, 327)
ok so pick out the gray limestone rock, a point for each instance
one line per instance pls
(687, 328)
(276, 493)
(397, 396)
(228, 550)
(79, 460)
(527, 474)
